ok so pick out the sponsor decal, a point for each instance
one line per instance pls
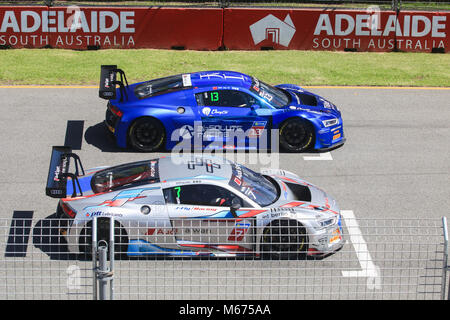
(206, 111)
(71, 26)
(175, 231)
(336, 236)
(102, 214)
(221, 76)
(67, 20)
(413, 32)
(153, 169)
(239, 231)
(369, 25)
(186, 80)
(273, 29)
(123, 197)
(207, 163)
(369, 29)
(161, 231)
(60, 169)
(210, 112)
(257, 129)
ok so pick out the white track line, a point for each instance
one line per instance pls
(368, 268)
(322, 156)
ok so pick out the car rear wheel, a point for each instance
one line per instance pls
(120, 238)
(284, 239)
(296, 135)
(147, 135)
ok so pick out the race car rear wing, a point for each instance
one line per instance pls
(108, 82)
(58, 173)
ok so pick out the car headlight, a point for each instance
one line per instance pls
(321, 224)
(330, 122)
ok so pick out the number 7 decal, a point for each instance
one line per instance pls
(239, 231)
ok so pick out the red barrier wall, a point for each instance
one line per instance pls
(234, 28)
(61, 27)
(309, 29)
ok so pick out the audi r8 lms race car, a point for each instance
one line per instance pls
(204, 206)
(217, 109)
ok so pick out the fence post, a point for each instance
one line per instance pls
(94, 257)
(102, 273)
(224, 3)
(103, 270)
(111, 256)
(445, 266)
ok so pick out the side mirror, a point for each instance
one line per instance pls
(235, 206)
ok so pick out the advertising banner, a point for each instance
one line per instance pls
(232, 28)
(110, 27)
(323, 29)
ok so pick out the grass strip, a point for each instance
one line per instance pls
(70, 67)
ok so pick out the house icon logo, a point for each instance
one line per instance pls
(273, 29)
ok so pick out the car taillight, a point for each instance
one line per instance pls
(68, 210)
(115, 110)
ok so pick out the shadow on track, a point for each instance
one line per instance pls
(47, 238)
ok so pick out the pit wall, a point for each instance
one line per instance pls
(230, 28)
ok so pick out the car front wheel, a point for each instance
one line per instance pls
(296, 135)
(284, 239)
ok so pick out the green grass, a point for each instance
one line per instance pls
(69, 67)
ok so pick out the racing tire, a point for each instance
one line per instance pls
(120, 239)
(296, 135)
(147, 135)
(62, 220)
(284, 239)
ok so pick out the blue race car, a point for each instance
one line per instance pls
(217, 109)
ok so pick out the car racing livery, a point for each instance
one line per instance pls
(196, 207)
(217, 109)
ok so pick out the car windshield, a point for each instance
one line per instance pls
(253, 185)
(125, 175)
(159, 86)
(274, 96)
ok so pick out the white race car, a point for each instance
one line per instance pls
(203, 206)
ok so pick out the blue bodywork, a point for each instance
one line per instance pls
(179, 108)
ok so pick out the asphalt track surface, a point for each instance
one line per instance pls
(394, 165)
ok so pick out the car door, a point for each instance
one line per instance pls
(199, 215)
(229, 117)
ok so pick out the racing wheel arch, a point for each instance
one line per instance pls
(270, 225)
(308, 122)
(162, 145)
(103, 233)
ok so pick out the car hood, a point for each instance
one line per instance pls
(296, 192)
(302, 99)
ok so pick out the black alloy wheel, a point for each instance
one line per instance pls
(296, 135)
(147, 135)
(284, 239)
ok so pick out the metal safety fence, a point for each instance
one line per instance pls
(224, 259)
(434, 5)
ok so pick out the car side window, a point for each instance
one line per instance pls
(200, 194)
(225, 98)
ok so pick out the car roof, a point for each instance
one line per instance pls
(220, 77)
(194, 167)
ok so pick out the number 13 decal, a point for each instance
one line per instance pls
(214, 96)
